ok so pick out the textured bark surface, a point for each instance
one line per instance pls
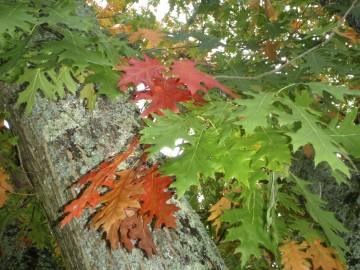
(61, 141)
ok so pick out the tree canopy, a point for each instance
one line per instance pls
(228, 92)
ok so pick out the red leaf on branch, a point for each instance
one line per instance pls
(140, 72)
(196, 80)
(103, 176)
(155, 200)
(164, 94)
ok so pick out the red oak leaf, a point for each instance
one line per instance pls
(154, 200)
(140, 72)
(196, 80)
(103, 175)
(164, 94)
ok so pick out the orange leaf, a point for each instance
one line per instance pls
(217, 210)
(294, 256)
(124, 196)
(350, 34)
(103, 175)
(4, 187)
(154, 37)
(296, 24)
(323, 257)
(270, 12)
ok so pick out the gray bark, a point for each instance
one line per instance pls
(61, 141)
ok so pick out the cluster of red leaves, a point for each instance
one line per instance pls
(164, 92)
(297, 256)
(137, 196)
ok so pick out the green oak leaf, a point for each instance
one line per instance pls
(197, 161)
(15, 15)
(347, 133)
(273, 149)
(165, 130)
(106, 79)
(256, 111)
(338, 91)
(64, 12)
(250, 232)
(325, 146)
(306, 229)
(38, 79)
(315, 207)
(77, 49)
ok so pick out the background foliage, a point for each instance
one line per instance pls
(294, 65)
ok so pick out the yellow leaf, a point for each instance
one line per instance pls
(294, 256)
(270, 12)
(217, 210)
(105, 22)
(88, 93)
(154, 37)
(4, 187)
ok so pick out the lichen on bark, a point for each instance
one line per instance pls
(61, 141)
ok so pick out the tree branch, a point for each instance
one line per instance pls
(292, 61)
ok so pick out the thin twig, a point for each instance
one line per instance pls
(16, 193)
(292, 61)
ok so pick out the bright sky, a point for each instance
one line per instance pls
(159, 11)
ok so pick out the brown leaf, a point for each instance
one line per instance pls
(294, 256)
(133, 228)
(124, 196)
(270, 12)
(4, 187)
(308, 151)
(270, 48)
(254, 4)
(154, 37)
(217, 210)
(323, 257)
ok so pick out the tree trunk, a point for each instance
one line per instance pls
(61, 141)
